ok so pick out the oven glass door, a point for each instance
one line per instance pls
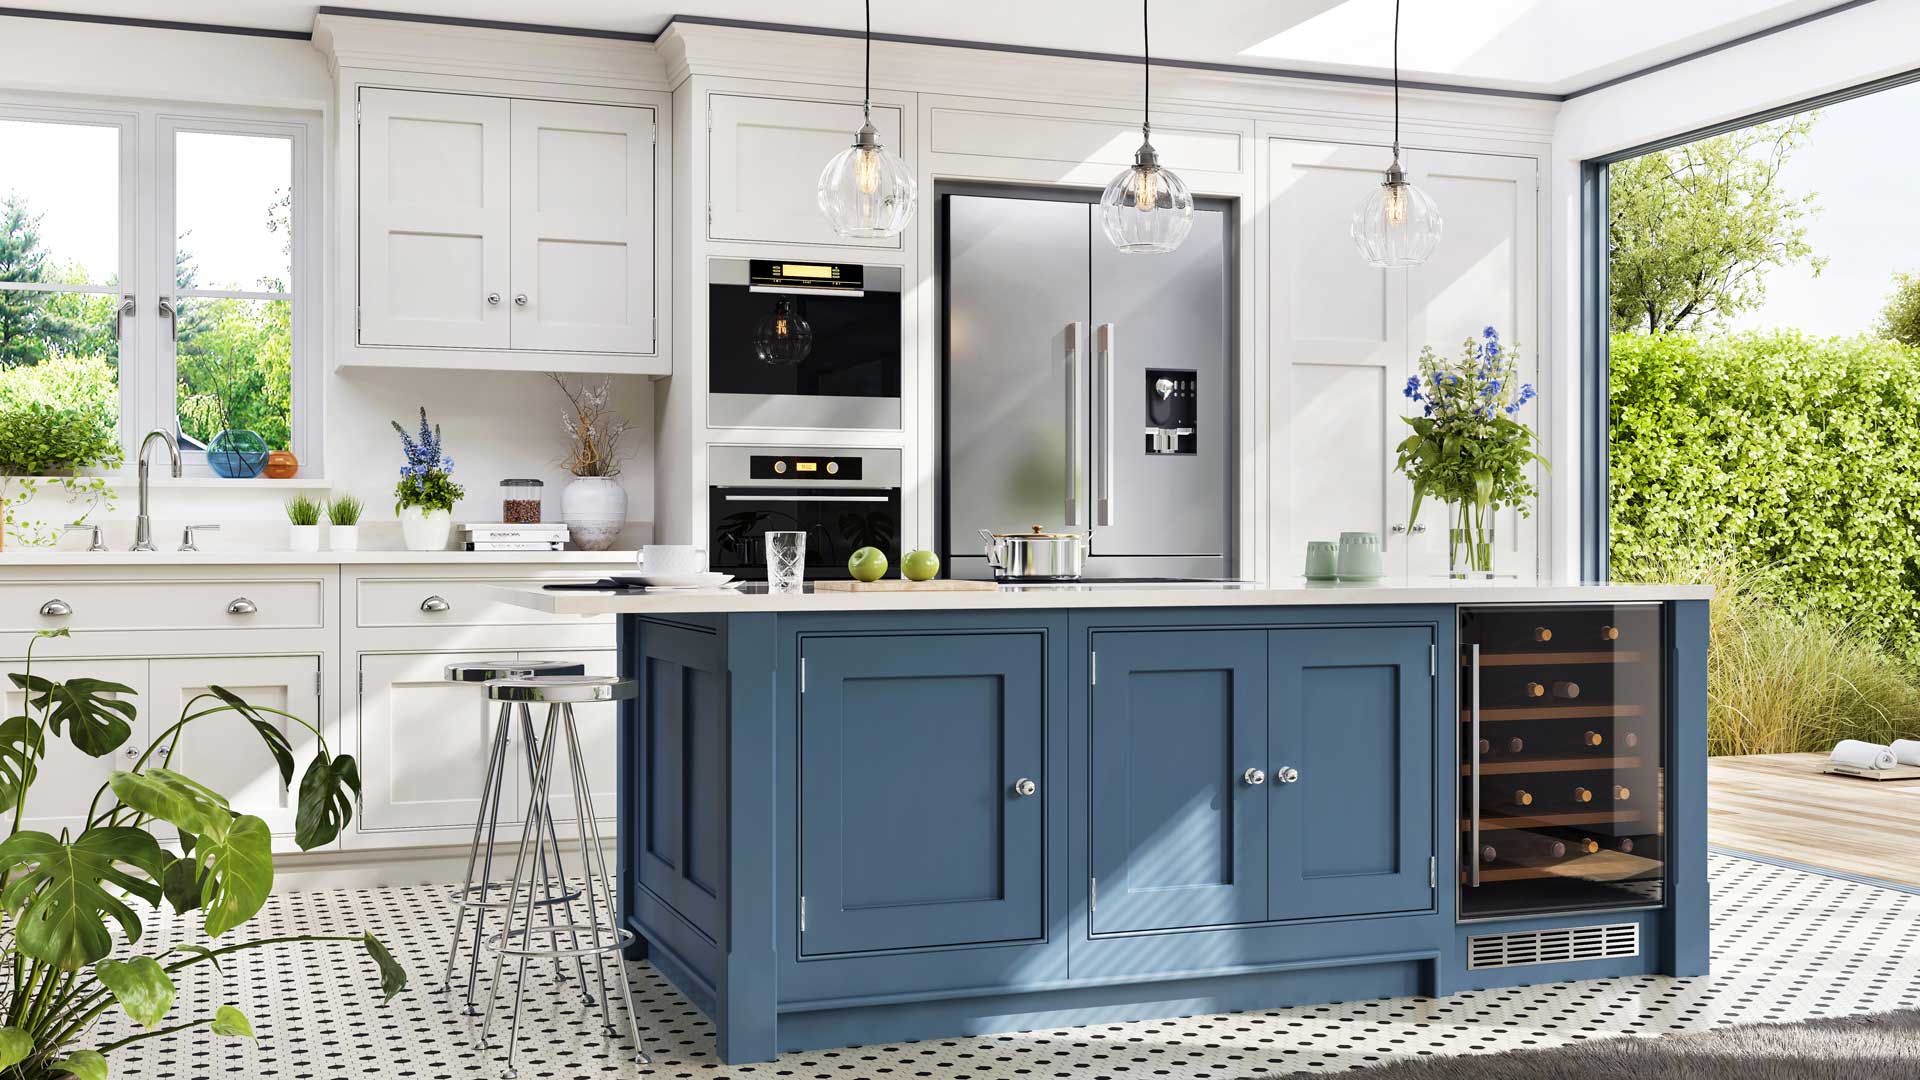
(838, 522)
(855, 350)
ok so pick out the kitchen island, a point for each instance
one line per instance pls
(852, 818)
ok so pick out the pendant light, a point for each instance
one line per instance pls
(1147, 209)
(1398, 225)
(784, 339)
(864, 191)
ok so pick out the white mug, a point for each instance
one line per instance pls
(673, 559)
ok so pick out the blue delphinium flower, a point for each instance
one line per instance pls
(1413, 387)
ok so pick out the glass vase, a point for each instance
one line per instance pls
(1470, 544)
(237, 454)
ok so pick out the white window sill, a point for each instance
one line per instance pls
(160, 479)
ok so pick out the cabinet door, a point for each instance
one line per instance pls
(599, 738)
(582, 227)
(1351, 711)
(67, 778)
(764, 157)
(1179, 836)
(222, 751)
(434, 220)
(423, 744)
(912, 828)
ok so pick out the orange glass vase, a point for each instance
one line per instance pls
(281, 465)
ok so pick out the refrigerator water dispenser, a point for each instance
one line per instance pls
(1172, 408)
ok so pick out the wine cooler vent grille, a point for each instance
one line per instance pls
(1566, 944)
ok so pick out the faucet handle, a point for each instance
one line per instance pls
(186, 538)
(97, 544)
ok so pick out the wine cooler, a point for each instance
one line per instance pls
(1563, 730)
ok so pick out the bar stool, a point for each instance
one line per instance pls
(561, 693)
(472, 894)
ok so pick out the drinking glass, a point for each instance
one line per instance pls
(786, 561)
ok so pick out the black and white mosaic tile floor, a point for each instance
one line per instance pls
(1788, 945)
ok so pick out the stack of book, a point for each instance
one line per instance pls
(507, 537)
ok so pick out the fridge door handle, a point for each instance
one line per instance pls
(1103, 381)
(1076, 419)
(1473, 769)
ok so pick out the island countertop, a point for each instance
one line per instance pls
(753, 597)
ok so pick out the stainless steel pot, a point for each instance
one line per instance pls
(1036, 554)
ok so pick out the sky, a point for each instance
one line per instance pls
(70, 173)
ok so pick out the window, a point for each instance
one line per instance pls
(160, 270)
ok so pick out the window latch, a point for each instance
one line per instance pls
(168, 313)
(127, 307)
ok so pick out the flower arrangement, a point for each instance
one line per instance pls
(1466, 446)
(426, 480)
(593, 431)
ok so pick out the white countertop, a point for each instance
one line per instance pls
(43, 557)
(1298, 592)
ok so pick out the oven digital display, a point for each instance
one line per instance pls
(774, 467)
(821, 277)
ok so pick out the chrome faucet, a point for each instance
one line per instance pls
(143, 528)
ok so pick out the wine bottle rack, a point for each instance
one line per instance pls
(1562, 754)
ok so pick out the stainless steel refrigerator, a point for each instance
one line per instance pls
(1086, 388)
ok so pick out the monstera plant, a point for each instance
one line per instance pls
(61, 965)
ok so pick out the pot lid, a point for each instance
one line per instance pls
(1038, 532)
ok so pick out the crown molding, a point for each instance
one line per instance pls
(351, 41)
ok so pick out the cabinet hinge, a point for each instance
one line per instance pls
(803, 674)
(1093, 894)
(803, 914)
(363, 682)
(1433, 871)
(709, 118)
(316, 682)
(1433, 659)
(359, 111)
(1093, 669)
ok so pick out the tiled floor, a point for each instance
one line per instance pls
(1787, 945)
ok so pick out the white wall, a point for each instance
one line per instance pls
(1830, 54)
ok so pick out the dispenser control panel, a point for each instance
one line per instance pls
(1173, 408)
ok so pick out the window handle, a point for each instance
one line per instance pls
(127, 307)
(173, 318)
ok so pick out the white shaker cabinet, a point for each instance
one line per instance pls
(763, 166)
(423, 743)
(68, 779)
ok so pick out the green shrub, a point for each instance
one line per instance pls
(1777, 451)
(62, 413)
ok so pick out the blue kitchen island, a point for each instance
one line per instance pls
(853, 818)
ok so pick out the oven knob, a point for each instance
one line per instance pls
(779, 466)
(832, 467)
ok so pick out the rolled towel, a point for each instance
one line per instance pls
(1864, 755)
(1906, 751)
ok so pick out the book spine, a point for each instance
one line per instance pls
(485, 545)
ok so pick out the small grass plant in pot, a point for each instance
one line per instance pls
(424, 498)
(303, 524)
(343, 523)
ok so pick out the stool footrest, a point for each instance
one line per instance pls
(470, 897)
(606, 941)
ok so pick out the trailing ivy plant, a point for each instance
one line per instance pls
(62, 966)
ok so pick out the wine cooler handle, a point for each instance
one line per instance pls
(1473, 768)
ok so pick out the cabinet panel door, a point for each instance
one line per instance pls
(764, 161)
(912, 832)
(67, 779)
(423, 744)
(1179, 837)
(599, 729)
(1351, 710)
(582, 227)
(434, 220)
(222, 751)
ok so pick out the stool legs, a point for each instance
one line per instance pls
(546, 877)
(483, 823)
(536, 806)
(600, 887)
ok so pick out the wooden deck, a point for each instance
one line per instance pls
(1781, 805)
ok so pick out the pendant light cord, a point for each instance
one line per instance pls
(1396, 80)
(866, 97)
(1146, 73)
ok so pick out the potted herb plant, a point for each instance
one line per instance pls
(426, 493)
(593, 504)
(1467, 448)
(303, 524)
(343, 523)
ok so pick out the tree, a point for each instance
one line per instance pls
(29, 324)
(1693, 230)
(1900, 319)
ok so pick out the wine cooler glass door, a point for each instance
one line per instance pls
(1562, 773)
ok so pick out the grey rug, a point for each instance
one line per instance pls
(1884, 1046)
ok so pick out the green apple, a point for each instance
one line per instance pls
(920, 565)
(867, 564)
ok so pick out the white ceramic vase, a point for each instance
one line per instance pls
(425, 530)
(343, 537)
(595, 510)
(303, 538)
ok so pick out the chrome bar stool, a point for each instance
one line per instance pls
(472, 895)
(604, 938)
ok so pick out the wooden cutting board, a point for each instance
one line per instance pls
(898, 585)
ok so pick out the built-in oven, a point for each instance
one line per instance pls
(802, 345)
(843, 499)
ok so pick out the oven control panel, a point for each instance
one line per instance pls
(799, 467)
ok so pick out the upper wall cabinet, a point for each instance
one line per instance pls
(506, 233)
(764, 160)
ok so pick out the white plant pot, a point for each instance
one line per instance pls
(343, 537)
(303, 538)
(595, 510)
(425, 530)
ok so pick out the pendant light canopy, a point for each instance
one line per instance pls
(865, 191)
(1147, 209)
(1398, 225)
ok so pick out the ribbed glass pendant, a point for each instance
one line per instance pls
(1397, 225)
(866, 192)
(1147, 209)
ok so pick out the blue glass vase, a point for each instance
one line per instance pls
(237, 455)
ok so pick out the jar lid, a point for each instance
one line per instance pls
(523, 483)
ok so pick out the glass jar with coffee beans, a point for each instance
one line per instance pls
(520, 501)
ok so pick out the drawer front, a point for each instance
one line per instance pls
(448, 602)
(280, 604)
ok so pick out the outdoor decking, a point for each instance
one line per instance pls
(1781, 805)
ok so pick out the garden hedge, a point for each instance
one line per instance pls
(1777, 450)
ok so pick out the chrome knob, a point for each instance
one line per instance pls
(520, 299)
(1396, 528)
(240, 605)
(1024, 787)
(1253, 777)
(1286, 774)
(56, 608)
(493, 298)
(133, 753)
(433, 605)
(1417, 529)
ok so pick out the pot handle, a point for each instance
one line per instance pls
(994, 561)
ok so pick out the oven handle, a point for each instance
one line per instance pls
(807, 498)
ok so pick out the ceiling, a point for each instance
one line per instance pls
(1542, 46)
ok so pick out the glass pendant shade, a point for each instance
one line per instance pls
(784, 339)
(865, 191)
(1398, 225)
(1147, 209)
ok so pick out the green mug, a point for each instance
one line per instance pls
(1323, 560)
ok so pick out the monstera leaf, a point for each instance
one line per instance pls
(140, 985)
(22, 745)
(393, 977)
(269, 732)
(327, 794)
(236, 873)
(63, 898)
(98, 725)
(180, 801)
